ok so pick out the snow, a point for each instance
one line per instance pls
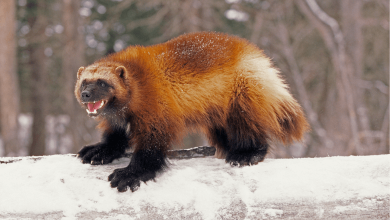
(199, 188)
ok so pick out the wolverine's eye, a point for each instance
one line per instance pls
(102, 83)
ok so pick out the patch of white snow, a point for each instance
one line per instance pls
(203, 188)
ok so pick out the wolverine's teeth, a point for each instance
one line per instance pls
(94, 112)
(102, 103)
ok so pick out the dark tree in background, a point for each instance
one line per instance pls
(38, 63)
(333, 54)
(72, 59)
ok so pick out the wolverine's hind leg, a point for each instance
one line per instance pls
(247, 141)
(241, 142)
(218, 138)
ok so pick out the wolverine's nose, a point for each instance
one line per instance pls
(86, 94)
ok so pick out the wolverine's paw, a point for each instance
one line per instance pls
(245, 158)
(124, 178)
(98, 154)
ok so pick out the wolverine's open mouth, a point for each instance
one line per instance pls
(93, 107)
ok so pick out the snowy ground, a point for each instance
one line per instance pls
(60, 186)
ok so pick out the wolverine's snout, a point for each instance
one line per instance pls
(94, 98)
(88, 93)
(85, 94)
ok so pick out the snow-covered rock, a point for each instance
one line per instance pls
(60, 186)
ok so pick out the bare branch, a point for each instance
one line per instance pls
(303, 96)
(385, 131)
(341, 62)
(371, 85)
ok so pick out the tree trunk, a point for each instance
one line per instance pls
(72, 59)
(39, 74)
(9, 86)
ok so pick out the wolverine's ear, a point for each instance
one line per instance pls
(81, 69)
(120, 70)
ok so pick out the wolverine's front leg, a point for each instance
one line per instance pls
(112, 146)
(148, 159)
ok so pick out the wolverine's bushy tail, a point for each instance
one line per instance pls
(278, 114)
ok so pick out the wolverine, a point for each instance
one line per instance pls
(147, 97)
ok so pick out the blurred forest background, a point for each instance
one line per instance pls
(334, 55)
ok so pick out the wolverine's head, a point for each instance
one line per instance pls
(101, 89)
